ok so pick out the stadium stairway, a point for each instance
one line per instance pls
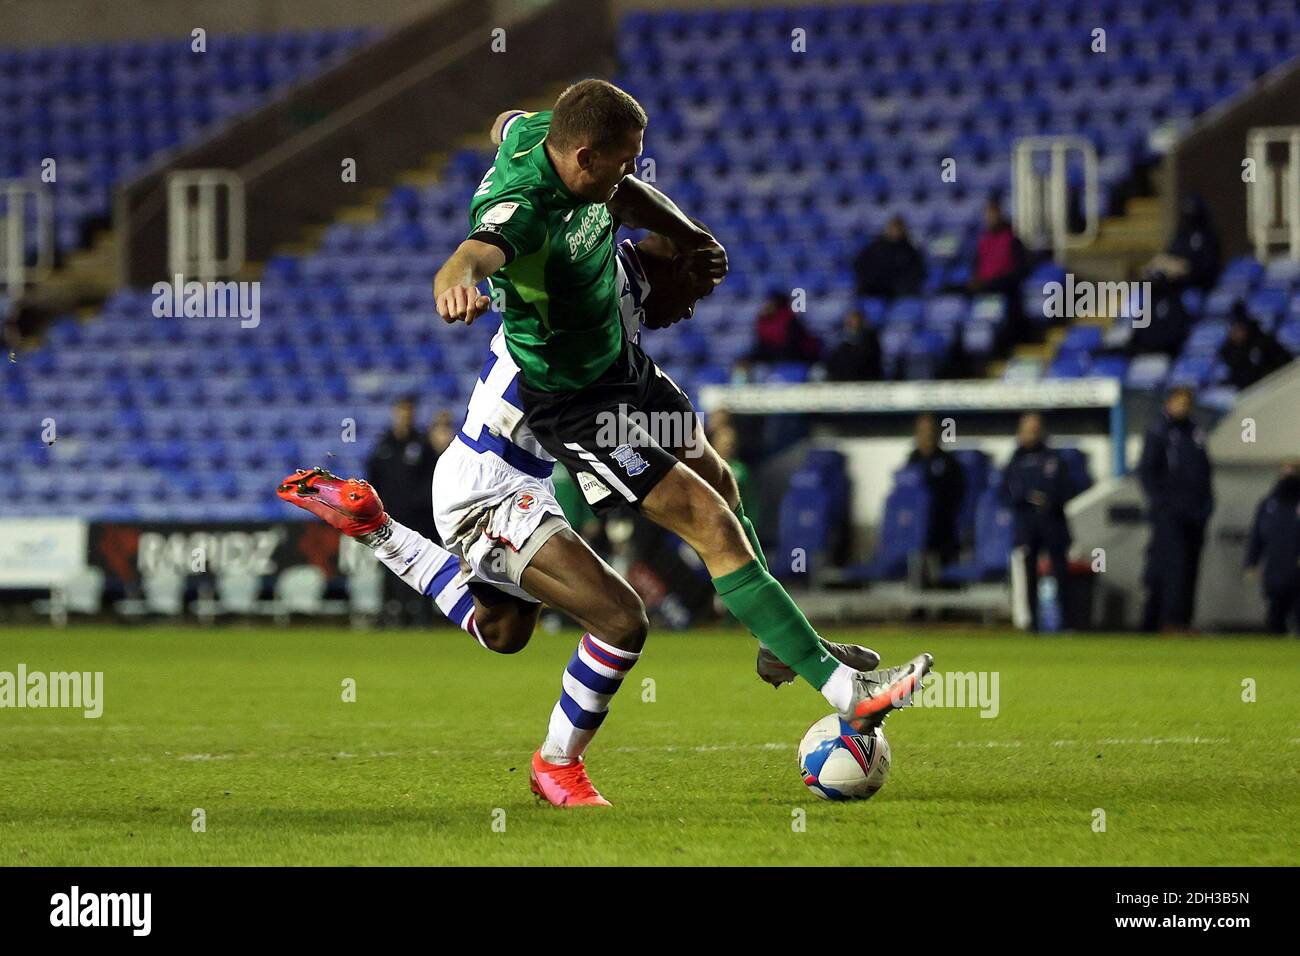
(97, 109)
(349, 306)
(1124, 243)
(81, 284)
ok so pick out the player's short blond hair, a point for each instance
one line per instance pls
(594, 113)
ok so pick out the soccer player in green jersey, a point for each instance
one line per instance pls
(543, 221)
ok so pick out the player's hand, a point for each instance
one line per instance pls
(708, 260)
(462, 303)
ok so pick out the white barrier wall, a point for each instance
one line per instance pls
(873, 461)
(39, 552)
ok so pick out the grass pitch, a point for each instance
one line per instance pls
(249, 726)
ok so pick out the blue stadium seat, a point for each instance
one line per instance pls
(902, 533)
(886, 90)
(994, 535)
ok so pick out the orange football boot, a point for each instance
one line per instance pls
(348, 504)
(564, 785)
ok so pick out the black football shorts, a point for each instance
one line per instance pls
(617, 436)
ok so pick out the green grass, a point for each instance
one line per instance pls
(249, 725)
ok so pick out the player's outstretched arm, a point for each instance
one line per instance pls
(498, 131)
(455, 286)
(640, 206)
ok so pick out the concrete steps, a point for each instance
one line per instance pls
(369, 208)
(85, 280)
(1124, 243)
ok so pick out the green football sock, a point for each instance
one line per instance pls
(751, 534)
(760, 603)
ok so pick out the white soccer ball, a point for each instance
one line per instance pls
(838, 763)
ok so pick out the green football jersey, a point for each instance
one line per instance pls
(560, 280)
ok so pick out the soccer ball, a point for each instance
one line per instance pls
(838, 763)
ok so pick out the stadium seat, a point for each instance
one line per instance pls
(992, 544)
(196, 401)
(902, 533)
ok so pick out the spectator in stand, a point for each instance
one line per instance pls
(1249, 352)
(1177, 480)
(401, 466)
(726, 442)
(1000, 266)
(1190, 262)
(889, 265)
(1192, 259)
(999, 255)
(1275, 539)
(946, 483)
(781, 335)
(1035, 486)
(856, 357)
(718, 418)
(441, 432)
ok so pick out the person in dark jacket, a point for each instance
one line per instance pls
(1191, 261)
(946, 483)
(780, 335)
(889, 265)
(856, 357)
(1275, 541)
(1249, 352)
(401, 468)
(1177, 480)
(1035, 485)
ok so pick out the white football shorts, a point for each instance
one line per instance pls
(492, 516)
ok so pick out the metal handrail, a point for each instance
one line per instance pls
(1268, 193)
(15, 273)
(1040, 202)
(192, 239)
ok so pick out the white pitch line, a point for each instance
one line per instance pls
(1143, 741)
(725, 748)
(665, 749)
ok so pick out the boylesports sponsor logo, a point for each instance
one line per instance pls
(590, 229)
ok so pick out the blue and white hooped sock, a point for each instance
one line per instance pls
(591, 679)
(431, 570)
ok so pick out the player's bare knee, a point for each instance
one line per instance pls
(627, 624)
(721, 479)
(727, 486)
(506, 640)
(718, 529)
(502, 629)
